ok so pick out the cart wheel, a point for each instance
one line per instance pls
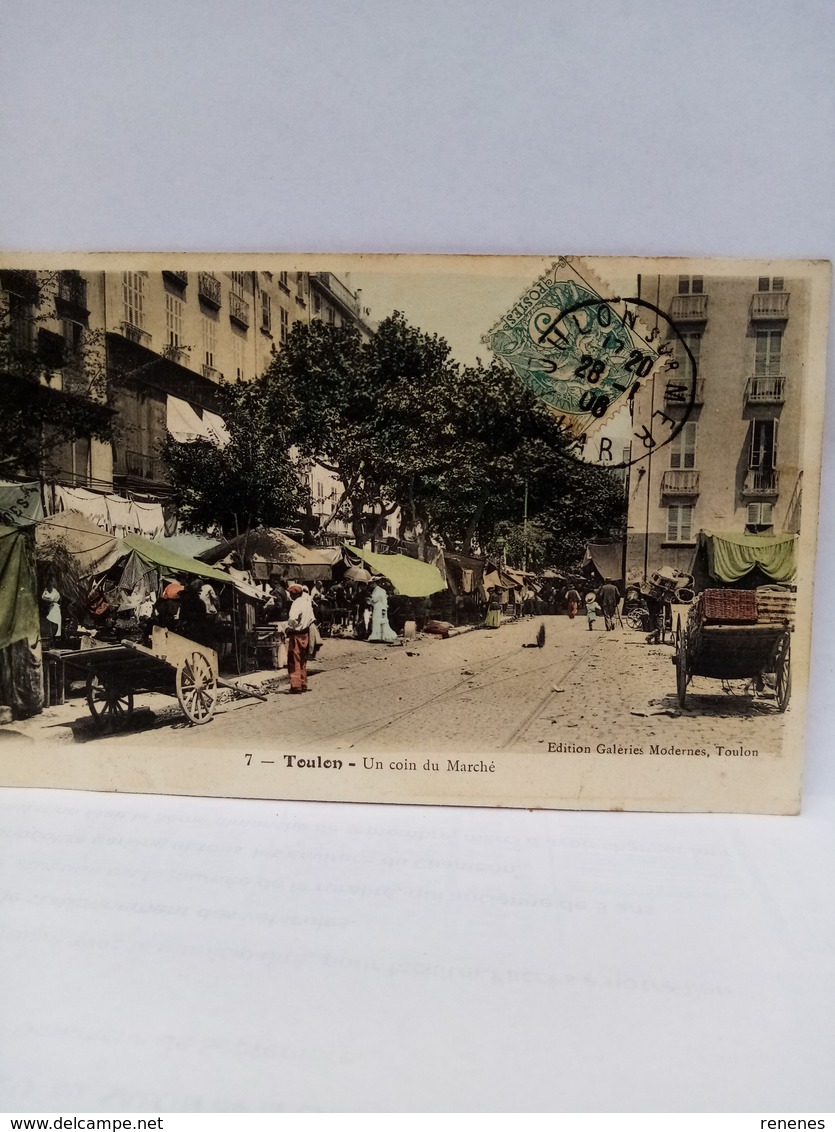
(107, 703)
(681, 662)
(196, 687)
(635, 619)
(783, 672)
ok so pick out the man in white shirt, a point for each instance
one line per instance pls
(300, 618)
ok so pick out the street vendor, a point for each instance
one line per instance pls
(300, 619)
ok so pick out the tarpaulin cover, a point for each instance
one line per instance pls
(607, 559)
(272, 552)
(170, 560)
(94, 549)
(19, 613)
(732, 556)
(409, 576)
(20, 503)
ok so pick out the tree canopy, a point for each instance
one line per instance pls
(455, 448)
(248, 482)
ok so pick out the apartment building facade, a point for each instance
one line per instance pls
(734, 466)
(163, 342)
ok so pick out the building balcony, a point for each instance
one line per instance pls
(680, 481)
(239, 310)
(72, 292)
(761, 481)
(770, 305)
(678, 391)
(212, 374)
(144, 466)
(24, 284)
(762, 390)
(689, 308)
(208, 289)
(136, 334)
(178, 277)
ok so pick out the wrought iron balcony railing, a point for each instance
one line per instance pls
(680, 481)
(770, 304)
(239, 310)
(136, 334)
(761, 481)
(208, 289)
(761, 390)
(144, 466)
(689, 308)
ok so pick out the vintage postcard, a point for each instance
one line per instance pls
(484, 531)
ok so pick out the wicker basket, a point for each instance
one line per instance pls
(739, 606)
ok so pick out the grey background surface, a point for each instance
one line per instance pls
(184, 955)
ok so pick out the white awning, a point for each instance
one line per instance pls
(216, 429)
(184, 422)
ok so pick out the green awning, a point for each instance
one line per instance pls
(409, 576)
(158, 555)
(732, 556)
(19, 611)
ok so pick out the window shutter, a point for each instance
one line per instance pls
(753, 519)
(766, 514)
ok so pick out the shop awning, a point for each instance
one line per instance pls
(409, 576)
(607, 559)
(94, 549)
(167, 559)
(183, 421)
(272, 552)
(731, 556)
(19, 612)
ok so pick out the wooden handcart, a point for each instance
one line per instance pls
(734, 635)
(173, 665)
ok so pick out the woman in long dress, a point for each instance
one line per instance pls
(381, 631)
(493, 619)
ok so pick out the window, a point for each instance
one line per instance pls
(282, 280)
(760, 518)
(173, 321)
(693, 340)
(266, 312)
(773, 283)
(301, 285)
(691, 284)
(768, 356)
(133, 298)
(284, 324)
(21, 315)
(317, 305)
(679, 522)
(209, 342)
(238, 354)
(73, 333)
(763, 452)
(683, 447)
(237, 283)
(331, 316)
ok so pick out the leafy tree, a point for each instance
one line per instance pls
(249, 482)
(357, 408)
(502, 443)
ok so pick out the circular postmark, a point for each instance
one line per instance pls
(587, 357)
(599, 360)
